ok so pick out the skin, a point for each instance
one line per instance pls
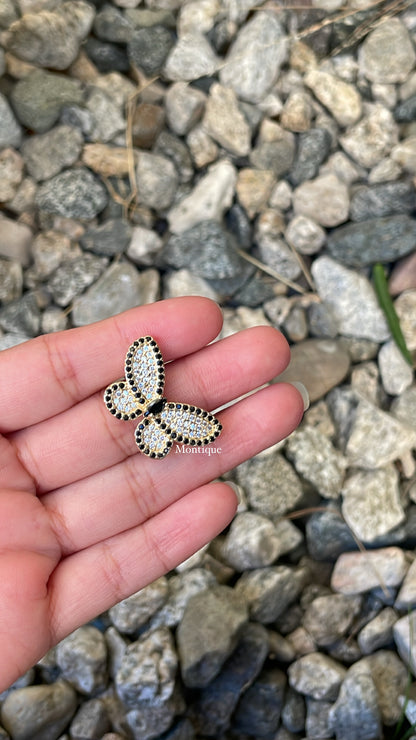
(86, 520)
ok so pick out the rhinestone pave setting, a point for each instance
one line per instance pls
(140, 393)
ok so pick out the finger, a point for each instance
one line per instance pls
(131, 492)
(49, 374)
(86, 438)
(91, 581)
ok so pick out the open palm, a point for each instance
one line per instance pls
(85, 520)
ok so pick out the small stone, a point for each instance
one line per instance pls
(355, 714)
(148, 120)
(107, 119)
(403, 632)
(405, 112)
(21, 316)
(53, 319)
(47, 154)
(182, 588)
(73, 276)
(403, 275)
(8, 13)
(396, 373)
(385, 170)
(11, 173)
(197, 15)
(341, 98)
(293, 711)
(403, 408)
(253, 189)
(10, 131)
(258, 711)
(281, 196)
(317, 460)
(105, 57)
(328, 536)
(351, 299)
(224, 122)
(184, 107)
(313, 149)
(147, 670)
(252, 65)
(11, 280)
(251, 542)
(208, 201)
(271, 485)
(385, 199)
(316, 675)
(15, 241)
(39, 98)
(49, 250)
(390, 677)
(75, 193)
(269, 591)
(406, 598)
(376, 240)
(157, 180)
(326, 199)
(297, 112)
(192, 57)
(145, 245)
(371, 503)
(90, 721)
(109, 238)
(203, 149)
(111, 25)
(106, 160)
(275, 150)
(82, 659)
(119, 288)
(184, 282)
(149, 47)
(389, 40)
(328, 618)
(305, 235)
(174, 148)
(358, 572)
(132, 613)
(39, 712)
(317, 712)
(208, 633)
(373, 137)
(378, 632)
(376, 438)
(404, 154)
(320, 364)
(405, 306)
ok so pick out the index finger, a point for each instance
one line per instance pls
(51, 373)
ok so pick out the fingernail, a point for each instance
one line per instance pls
(303, 392)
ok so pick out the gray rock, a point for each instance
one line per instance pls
(91, 721)
(12, 339)
(375, 240)
(47, 154)
(184, 106)
(313, 149)
(406, 597)
(132, 613)
(317, 460)
(376, 438)
(11, 173)
(403, 408)
(404, 154)
(351, 299)
(373, 137)
(8, 13)
(73, 276)
(224, 121)
(208, 633)
(317, 719)
(297, 112)
(149, 47)
(145, 246)
(326, 199)
(293, 713)
(21, 316)
(75, 193)
(371, 503)
(405, 112)
(39, 712)
(39, 98)
(316, 675)
(271, 485)
(82, 659)
(49, 250)
(403, 632)
(119, 288)
(11, 280)
(384, 199)
(184, 282)
(10, 131)
(320, 364)
(109, 238)
(173, 147)
(51, 38)
(328, 618)
(276, 155)
(396, 373)
(258, 711)
(209, 199)
(254, 60)
(358, 572)
(328, 536)
(111, 25)
(390, 677)
(211, 712)
(182, 588)
(305, 235)
(378, 632)
(147, 671)
(355, 714)
(107, 119)
(105, 56)
(157, 180)
(53, 319)
(341, 98)
(390, 39)
(251, 542)
(269, 591)
(276, 254)
(192, 57)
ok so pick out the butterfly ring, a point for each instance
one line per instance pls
(164, 422)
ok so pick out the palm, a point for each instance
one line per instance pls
(85, 520)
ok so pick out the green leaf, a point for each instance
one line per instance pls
(387, 306)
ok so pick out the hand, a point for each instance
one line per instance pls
(85, 519)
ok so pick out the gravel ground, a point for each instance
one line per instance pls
(263, 156)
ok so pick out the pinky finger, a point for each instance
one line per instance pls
(92, 580)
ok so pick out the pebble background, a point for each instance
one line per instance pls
(146, 149)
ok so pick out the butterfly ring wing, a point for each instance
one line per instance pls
(176, 422)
